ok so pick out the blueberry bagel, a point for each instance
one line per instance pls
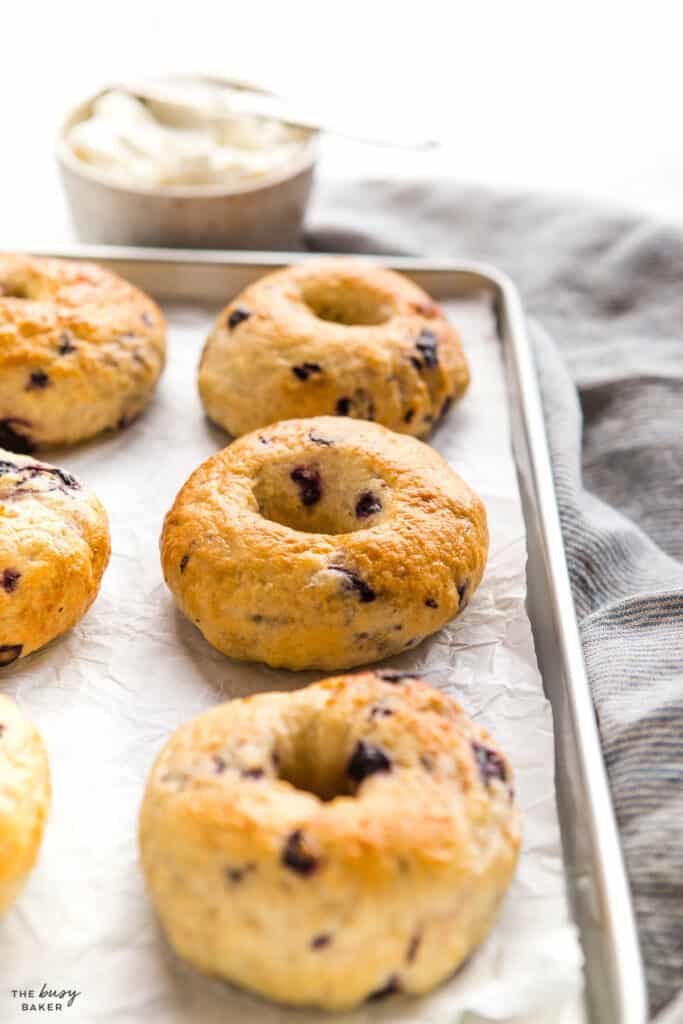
(332, 336)
(323, 543)
(332, 844)
(54, 547)
(80, 351)
(24, 798)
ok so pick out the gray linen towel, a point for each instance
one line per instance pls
(608, 288)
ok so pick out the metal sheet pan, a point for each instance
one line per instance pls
(595, 871)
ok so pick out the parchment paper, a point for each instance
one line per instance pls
(107, 696)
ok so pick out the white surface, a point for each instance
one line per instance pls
(107, 695)
(581, 97)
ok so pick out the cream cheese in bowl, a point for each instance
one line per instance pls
(194, 135)
(186, 163)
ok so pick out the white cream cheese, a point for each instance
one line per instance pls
(196, 136)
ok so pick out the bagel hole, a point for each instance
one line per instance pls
(319, 780)
(313, 759)
(326, 492)
(350, 303)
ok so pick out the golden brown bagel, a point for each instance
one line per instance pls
(333, 336)
(54, 548)
(323, 543)
(331, 844)
(80, 351)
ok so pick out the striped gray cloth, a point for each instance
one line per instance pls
(608, 288)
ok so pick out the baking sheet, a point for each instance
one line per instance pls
(108, 695)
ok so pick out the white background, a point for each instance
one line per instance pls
(574, 97)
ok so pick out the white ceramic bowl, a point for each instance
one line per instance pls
(266, 214)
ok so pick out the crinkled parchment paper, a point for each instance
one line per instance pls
(107, 696)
